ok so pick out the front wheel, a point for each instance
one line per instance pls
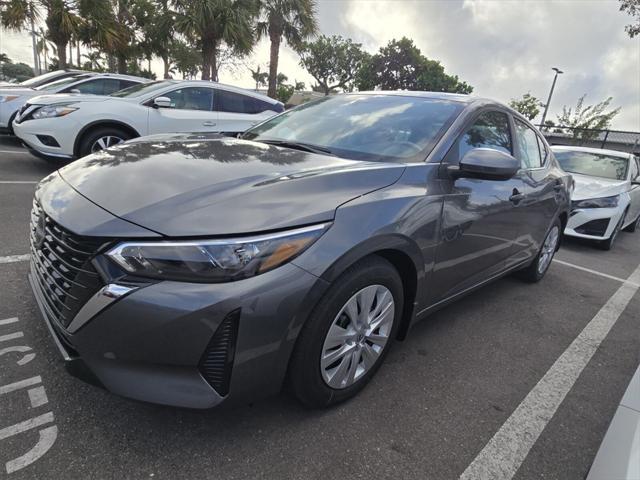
(537, 269)
(634, 226)
(608, 243)
(101, 139)
(348, 335)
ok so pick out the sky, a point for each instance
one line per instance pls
(504, 48)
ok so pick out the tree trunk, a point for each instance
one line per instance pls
(273, 63)
(78, 53)
(206, 59)
(165, 64)
(214, 64)
(62, 54)
(71, 54)
(122, 63)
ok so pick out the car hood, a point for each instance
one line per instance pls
(596, 187)
(56, 98)
(208, 185)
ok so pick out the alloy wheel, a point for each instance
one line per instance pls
(105, 142)
(357, 336)
(548, 249)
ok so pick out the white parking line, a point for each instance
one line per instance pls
(595, 272)
(501, 458)
(14, 258)
(14, 151)
(18, 182)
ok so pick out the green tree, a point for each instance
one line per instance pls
(61, 18)
(293, 20)
(16, 71)
(587, 120)
(210, 23)
(156, 18)
(187, 59)
(632, 7)
(401, 66)
(261, 78)
(102, 30)
(333, 61)
(528, 105)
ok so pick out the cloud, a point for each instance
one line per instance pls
(504, 48)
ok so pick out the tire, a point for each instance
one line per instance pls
(608, 243)
(91, 138)
(539, 266)
(308, 374)
(634, 226)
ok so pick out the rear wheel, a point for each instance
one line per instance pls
(537, 269)
(101, 139)
(346, 338)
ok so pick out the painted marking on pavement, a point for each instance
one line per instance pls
(14, 151)
(21, 384)
(19, 182)
(501, 458)
(595, 272)
(47, 438)
(14, 258)
(26, 425)
(7, 321)
(11, 336)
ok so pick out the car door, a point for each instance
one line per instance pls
(542, 188)
(481, 219)
(238, 112)
(634, 192)
(191, 110)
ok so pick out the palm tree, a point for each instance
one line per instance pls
(20, 15)
(94, 60)
(259, 77)
(209, 23)
(293, 20)
(43, 48)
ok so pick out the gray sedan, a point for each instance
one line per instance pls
(196, 270)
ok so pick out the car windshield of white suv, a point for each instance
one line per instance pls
(58, 84)
(363, 127)
(593, 164)
(141, 89)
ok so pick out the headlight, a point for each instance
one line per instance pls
(604, 202)
(214, 260)
(8, 98)
(51, 111)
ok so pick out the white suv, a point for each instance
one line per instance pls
(74, 126)
(13, 98)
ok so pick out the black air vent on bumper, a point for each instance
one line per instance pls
(594, 227)
(217, 360)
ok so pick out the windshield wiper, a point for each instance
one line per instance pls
(305, 147)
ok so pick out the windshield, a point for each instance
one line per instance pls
(42, 79)
(364, 127)
(141, 89)
(593, 164)
(58, 84)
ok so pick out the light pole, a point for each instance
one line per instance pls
(553, 85)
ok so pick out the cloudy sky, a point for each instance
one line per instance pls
(503, 48)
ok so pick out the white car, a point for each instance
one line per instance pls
(74, 126)
(13, 98)
(41, 79)
(606, 198)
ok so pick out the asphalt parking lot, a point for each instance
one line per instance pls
(479, 378)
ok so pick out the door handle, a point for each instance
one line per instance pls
(208, 124)
(516, 196)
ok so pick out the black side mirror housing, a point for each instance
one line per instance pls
(487, 164)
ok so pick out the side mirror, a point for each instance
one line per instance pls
(162, 102)
(636, 181)
(486, 163)
(74, 90)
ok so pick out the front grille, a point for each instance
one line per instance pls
(61, 267)
(594, 227)
(217, 360)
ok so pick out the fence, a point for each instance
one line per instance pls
(587, 137)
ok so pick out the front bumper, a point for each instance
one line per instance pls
(593, 223)
(151, 344)
(60, 129)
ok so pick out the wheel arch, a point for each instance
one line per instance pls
(100, 124)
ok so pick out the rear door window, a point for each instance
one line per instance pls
(528, 146)
(237, 103)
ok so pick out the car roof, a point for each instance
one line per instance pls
(224, 86)
(615, 153)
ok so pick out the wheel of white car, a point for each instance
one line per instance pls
(634, 226)
(101, 139)
(608, 243)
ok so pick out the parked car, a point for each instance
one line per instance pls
(81, 125)
(197, 269)
(13, 99)
(41, 79)
(606, 199)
